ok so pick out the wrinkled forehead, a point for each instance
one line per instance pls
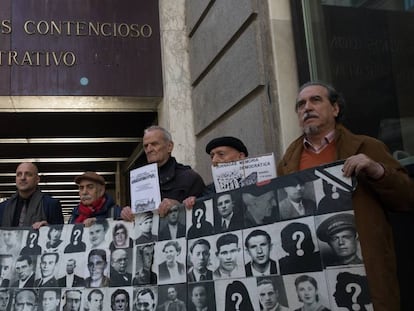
(27, 167)
(312, 90)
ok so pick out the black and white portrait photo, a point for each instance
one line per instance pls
(200, 219)
(146, 227)
(72, 300)
(228, 260)
(236, 294)
(49, 299)
(76, 243)
(121, 267)
(93, 299)
(296, 199)
(98, 234)
(24, 268)
(307, 291)
(172, 226)
(121, 235)
(299, 246)
(52, 237)
(48, 268)
(72, 273)
(6, 270)
(201, 297)
(97, 267)
(10, 242)
(228, 212)
(349, 289)
(120, 299)
(338, 239)
(170, 257)
(271, 293)
(199, 261)
(260, 205)
(25, 299)
(259, 251)
(144, 274)
(172, 297)
(5, 299)
(145, 298)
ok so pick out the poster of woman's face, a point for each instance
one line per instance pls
(120, 234)
(169, 259)
(53, 238)
(306, 290)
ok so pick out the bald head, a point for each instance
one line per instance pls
(27, 179)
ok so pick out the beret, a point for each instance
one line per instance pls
(335, 224)
(92, 176)
(227, 141)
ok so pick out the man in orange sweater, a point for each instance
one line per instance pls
(382, 183)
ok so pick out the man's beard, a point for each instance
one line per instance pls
(311, 130)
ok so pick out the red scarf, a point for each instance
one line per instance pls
(87, 211)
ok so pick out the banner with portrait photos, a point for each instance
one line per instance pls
(288, 243)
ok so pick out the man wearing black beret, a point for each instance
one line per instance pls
(221, 150)
(226, 149)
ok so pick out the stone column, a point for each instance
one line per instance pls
(175, 110)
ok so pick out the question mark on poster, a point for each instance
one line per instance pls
(198, 214)
(237, 297)
(32, 238)
(356, 288)
(299, 236)
(76, 235)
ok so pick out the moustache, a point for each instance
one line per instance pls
(85, 197)
(308, 115)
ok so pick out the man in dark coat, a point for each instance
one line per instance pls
(382, 182)
(29, 206)
(177, 181)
